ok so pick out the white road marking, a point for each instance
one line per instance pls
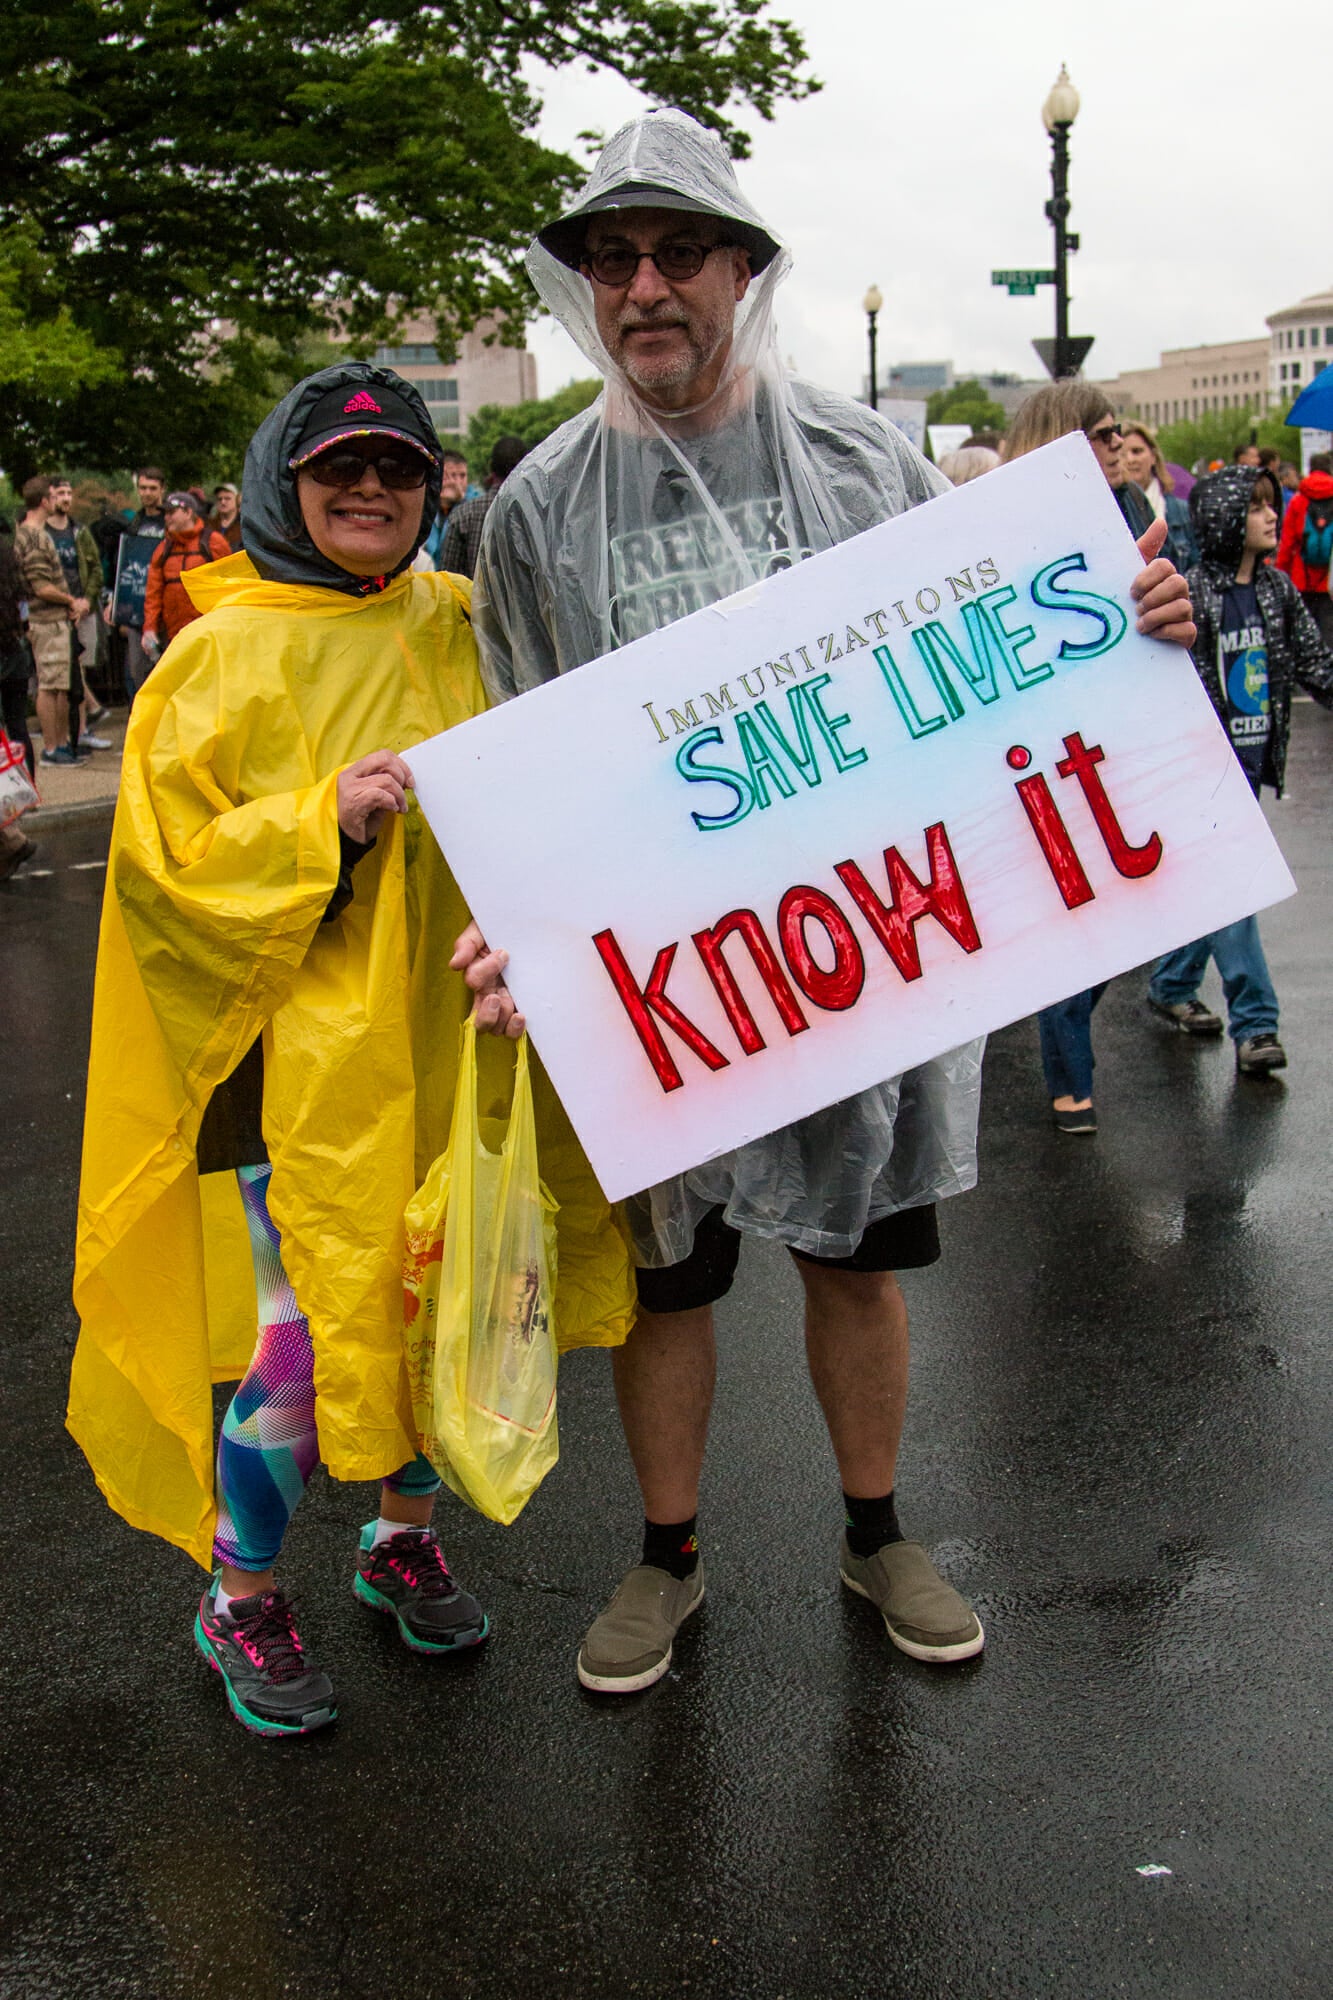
(45, 874)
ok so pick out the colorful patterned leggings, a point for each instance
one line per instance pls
(269, 1446)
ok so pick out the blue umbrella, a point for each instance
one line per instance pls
(1313, 408)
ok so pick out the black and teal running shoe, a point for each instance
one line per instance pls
(273, 1688)
(408, 1577)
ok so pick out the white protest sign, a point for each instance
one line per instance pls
(945, 438)
(902, 793)
(1311, 442)
(909, 414)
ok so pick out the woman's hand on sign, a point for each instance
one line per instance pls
(369, 790)
(494, 1012)
(1162, 594)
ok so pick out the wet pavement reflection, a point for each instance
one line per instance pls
(1117, 1447)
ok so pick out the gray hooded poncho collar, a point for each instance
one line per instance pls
(272, 532)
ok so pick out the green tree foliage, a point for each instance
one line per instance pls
(530, 421)
(965, 403)
(42, 350)
(1217, 433)
(212, 180)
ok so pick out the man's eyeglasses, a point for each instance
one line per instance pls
(616, 264)
(400, 471)
(1104, 433)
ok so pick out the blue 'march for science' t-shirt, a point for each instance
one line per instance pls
(1243, 664)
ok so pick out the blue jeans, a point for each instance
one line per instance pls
(1251, 1001)
(1066, 1043)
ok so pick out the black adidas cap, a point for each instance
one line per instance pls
(365, 409)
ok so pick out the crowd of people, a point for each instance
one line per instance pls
(67, 621)
(287, 957)
(57, 587)
(65, 625)
(1256, 556)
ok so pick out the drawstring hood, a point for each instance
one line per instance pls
(1219, 510)
(663, 160)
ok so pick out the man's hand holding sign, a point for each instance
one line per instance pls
(893, 797)
(1160, 593)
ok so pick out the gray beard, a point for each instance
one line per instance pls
(701, 347)
(671, 377)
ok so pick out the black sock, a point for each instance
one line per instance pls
(870, 1524)
(671, 1546)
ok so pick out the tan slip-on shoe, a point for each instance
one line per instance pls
(925, 1616)
(629, 1646)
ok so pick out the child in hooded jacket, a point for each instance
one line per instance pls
(1256, 641)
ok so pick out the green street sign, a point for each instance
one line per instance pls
(1022, 284)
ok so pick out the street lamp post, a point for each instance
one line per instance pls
(1058, 115)
(871, 304)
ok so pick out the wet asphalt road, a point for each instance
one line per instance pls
(1117, 1447)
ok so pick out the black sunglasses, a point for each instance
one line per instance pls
(1104, 433)
(398, 470)
(617, 263)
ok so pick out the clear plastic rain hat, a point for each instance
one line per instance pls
(635, 517)
(663, 160)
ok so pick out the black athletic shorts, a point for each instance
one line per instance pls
(904, 1241)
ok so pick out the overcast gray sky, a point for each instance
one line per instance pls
(1200, 176)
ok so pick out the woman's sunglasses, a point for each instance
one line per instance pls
(1104, 433)
(399, 470)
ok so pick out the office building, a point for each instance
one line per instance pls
(1190, 381)
(455, 385)
(1300, 346)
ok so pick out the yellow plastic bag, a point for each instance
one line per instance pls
(479, 1291)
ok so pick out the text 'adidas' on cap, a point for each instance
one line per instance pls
(370, 411)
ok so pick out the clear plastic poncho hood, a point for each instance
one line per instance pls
(625, 520)
(663, 515)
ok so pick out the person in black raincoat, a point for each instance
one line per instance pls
(1256, 641)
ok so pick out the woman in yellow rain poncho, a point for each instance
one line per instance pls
(274, 997)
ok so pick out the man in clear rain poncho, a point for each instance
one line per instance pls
(703, 468)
